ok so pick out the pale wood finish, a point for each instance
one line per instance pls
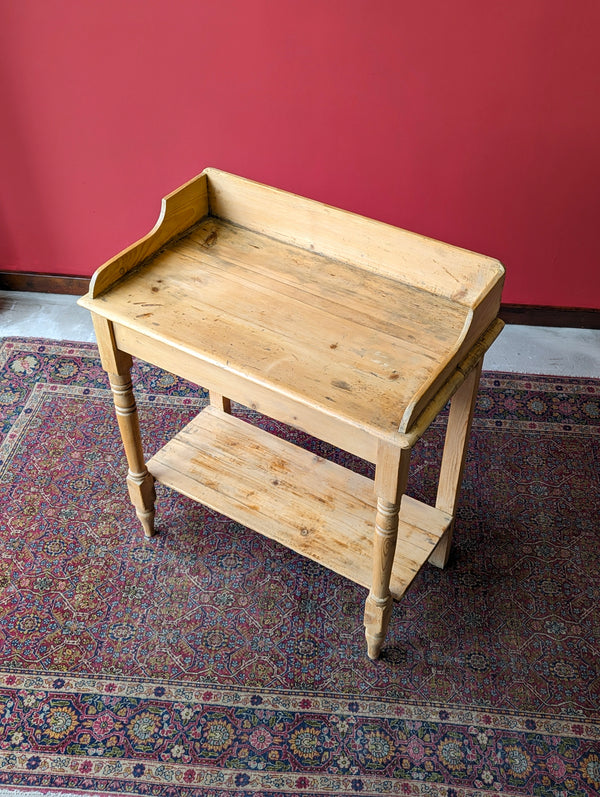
(350, 329)
(391, 476)
(458, 431)
(429, 265)
(313, 506)
(360, 346)
(350, 437)
(118, 366)
(179, 211)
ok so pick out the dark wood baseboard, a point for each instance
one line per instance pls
(542, 316)
(43, 283)
(529, 314)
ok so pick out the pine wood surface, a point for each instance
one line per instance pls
(434, 266)
(357, 345)
(315, 507)
(354, 331)
(179, 211)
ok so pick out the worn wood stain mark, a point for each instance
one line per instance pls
(210, 239)
(341, 384)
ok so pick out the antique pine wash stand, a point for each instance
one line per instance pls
(349, 329)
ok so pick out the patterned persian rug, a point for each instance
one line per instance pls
(212, 661)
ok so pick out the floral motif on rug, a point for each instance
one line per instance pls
(213, 661)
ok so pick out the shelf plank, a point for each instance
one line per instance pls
(311, 505)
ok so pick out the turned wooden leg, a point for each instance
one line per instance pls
(454, 457)
(139, 482)
(378, 606)
(118, 366)
(391, 475)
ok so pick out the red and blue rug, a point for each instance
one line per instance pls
(212, 661)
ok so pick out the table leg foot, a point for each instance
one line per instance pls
(441, 554)
(143, 496)
(147, 521)
(377, 618)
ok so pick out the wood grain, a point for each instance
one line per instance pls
(354, 344)
(351, 330)
(429, 265)
(179, 211)
(315, 507)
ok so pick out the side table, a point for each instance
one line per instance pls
(351, 330)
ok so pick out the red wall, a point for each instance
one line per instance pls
(471, 121)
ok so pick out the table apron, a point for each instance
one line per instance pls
(336, 431)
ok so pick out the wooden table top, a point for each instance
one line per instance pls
(365, 343)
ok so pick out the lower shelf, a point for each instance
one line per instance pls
(315, 507)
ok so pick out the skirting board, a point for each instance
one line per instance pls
(542, 316)
(526, 314)
(43, 283)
